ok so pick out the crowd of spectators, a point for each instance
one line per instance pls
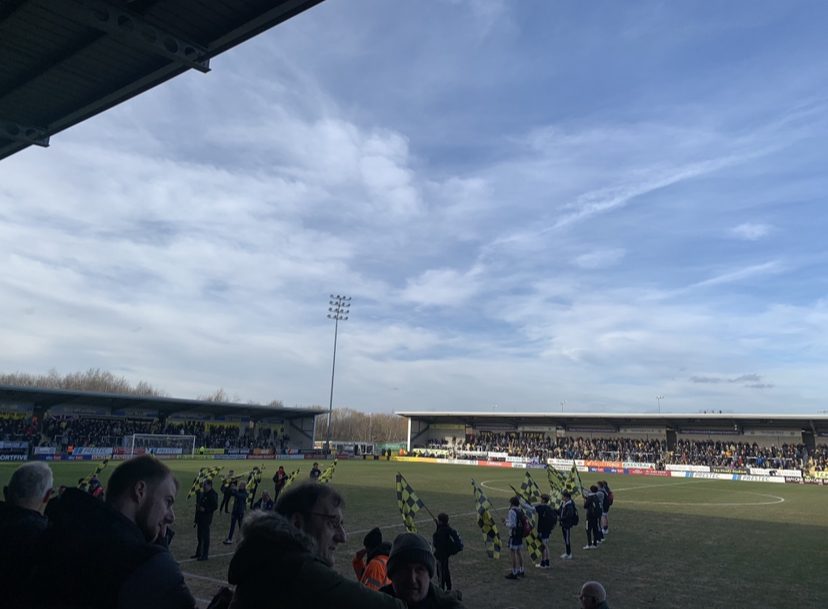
(64, 431)
(535, 446)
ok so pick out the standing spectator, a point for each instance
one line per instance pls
(514, 522)
(607, 503)
(593, 596)
(315, 472)
(226, 491)
(239, 506)
(547, 518)
(286, 557)
(22, 526)
(370, 561)
(206, 504)
(593, 506)
(569, 519)
(126, 564)
(447, 543)
(279, 479)
(411, 569)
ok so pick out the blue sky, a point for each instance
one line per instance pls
(529, 202)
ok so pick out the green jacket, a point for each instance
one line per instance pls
(275, 566)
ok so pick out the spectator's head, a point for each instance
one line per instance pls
(566, 495)
(545, 498)
(143, 489)
(208, 484)
(592, 594)
(443, 518)
(514, 501)
(281, 468)
(30, 486)
(315, 464)
(411, 566)
(593, 489)
(372, 539)
(315, 509)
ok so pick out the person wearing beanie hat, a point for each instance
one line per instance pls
(370, 562)
(411, 567)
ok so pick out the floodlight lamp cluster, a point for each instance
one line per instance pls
(339, 307)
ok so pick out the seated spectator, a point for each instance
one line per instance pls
(411, 568)
(113, 554)
(593, 596)
(285, 557)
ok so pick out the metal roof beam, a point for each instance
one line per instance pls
(135, 31)
(26, 134)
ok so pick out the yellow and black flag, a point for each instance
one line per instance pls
(573, 481)
(556, 478)
(486, 522)
(327, 475)
(205, 473)
(408, 502)
(83, 484)
(290, 479)
(530, 489)
(533, 543)
(253, 480)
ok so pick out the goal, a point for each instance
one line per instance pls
(159, 444)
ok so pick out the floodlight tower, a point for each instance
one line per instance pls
(658, 399)
(338, 310)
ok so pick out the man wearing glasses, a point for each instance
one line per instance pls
(593, 596)
(286, 557)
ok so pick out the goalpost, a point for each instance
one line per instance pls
(160, 444)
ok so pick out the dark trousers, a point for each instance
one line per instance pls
(593, 531)
(443, 572)
(567, 539)
(225, 502)
(234, 519)
(203, 536)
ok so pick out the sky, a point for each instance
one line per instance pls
(530, 203)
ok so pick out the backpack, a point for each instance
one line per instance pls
(455, 543)
(524, 525)
(575, 518)
(610, 497)
(547, 519)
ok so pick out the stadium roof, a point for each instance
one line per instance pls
(47, 398)
(64, 61)
(609, 420)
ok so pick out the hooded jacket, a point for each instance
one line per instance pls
(276, 556)
(21, 533)
(99, 558)
(372, 568)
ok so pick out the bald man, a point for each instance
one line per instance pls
(593, 596)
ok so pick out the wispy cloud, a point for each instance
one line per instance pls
(751, 231)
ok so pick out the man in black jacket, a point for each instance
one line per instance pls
(22, 526)
(206, 504)
(593, 505)
(112, 555)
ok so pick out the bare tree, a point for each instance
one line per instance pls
(93, 379)
(352, 425)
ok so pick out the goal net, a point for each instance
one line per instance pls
(159, 444)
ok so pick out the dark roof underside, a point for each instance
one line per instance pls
(63, 61)
(47, 398)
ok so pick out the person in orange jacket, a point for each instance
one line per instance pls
(370, 562)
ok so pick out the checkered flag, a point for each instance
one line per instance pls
(409, 503)
(557, 483)
(486, 522)
(530, 489)
(573, 481)
(291, 479)
(327, 475)
(253, 480)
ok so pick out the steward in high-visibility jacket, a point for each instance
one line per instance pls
(370, 562)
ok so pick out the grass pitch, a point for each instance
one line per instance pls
(672, 543)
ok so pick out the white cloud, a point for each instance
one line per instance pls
(750, 231)
(599, 259)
